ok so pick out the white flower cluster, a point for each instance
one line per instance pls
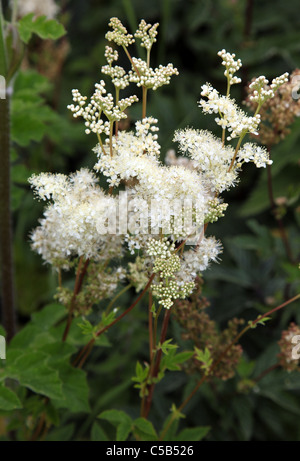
(209, 156)
(111, 55)
(167, 203)
(119, 34)
(136, 157)
(69, 226)
(196, 261)
(178, 160)
(231, 65)
(167, 264)
(250, 152)
(99, 104)
(216, 210)
(231, 116)
(118, 75)
(145, 76)
(261, 91)
(147, 34)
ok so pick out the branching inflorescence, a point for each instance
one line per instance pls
(167, 207)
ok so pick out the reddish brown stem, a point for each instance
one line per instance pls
(150, 322)
(77, 287)
(155, 372)
(88, 347)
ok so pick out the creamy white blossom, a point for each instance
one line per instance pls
(230, 116)
(69, 226)
(209, 156)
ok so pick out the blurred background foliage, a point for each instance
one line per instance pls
(254, 274)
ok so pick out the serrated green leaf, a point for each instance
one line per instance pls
(49, 315)
(32, 337)
(193, 434)
(41, 26)
(145, 426)
(75, 391)
(141, 373)
(115, 417)
(58, 352)
(8, 399)
(183, 356)
(123, 431)
(30, 368)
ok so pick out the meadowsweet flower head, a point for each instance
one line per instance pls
(147, 34)
(143, 75)
(119, 34)
(232, 66)
(286, 344)
(278, 112)
(250, 152)
(69, 226)
(230, 116)
(210, 157)
(101, 102)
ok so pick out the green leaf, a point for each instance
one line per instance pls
(31, 337)
(75, 391)
(193, 434)
(170, 434)
(141, 373)
(115, 417)
(49, 315)
(8, 399)
(61, 434)
(97, 434)
(166, 346)
(30, 368)
(204, 357)
(41, 26)
(58, 352)
(123, 431)
(145, 427)
(245, 368)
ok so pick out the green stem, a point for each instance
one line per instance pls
(14, 12)
(117, 100)
(236, 151)
(131, 61)
(6, 233)
(110, 137)
(144, 101)
(112, 302)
